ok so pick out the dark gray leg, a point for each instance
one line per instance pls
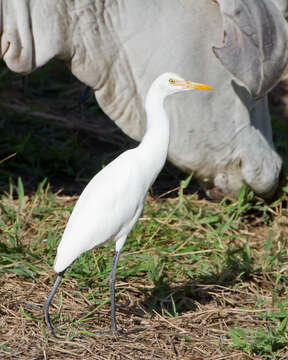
(112, 292)
(48, 302)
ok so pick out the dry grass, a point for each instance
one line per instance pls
(193, 335)
(200, 332)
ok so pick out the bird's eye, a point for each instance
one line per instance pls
(172, 81)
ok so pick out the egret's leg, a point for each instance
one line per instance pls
(112, 291)
(49, 299)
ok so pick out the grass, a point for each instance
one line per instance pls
(194, 260)
(205, 280)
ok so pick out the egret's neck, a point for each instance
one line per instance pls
(156, 116)
(154, 145)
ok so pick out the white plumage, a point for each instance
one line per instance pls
(107, 208)
(113, 200)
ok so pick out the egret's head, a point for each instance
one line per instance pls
(170, 83)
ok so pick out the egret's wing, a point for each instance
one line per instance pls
(255, 49)
(106, 206)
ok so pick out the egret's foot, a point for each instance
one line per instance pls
(51, 326)
(53, 329)
(48, 320)
(118, 332)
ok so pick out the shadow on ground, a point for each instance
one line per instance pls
(174, 301)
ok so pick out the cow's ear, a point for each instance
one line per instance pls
(255, 47)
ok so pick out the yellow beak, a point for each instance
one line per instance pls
(193, 85)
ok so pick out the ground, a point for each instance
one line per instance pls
(196, 279)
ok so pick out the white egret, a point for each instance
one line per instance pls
(113, 200)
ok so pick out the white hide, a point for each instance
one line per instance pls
(119, 47)
(282, 4)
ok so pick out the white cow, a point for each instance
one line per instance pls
(118, 47)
